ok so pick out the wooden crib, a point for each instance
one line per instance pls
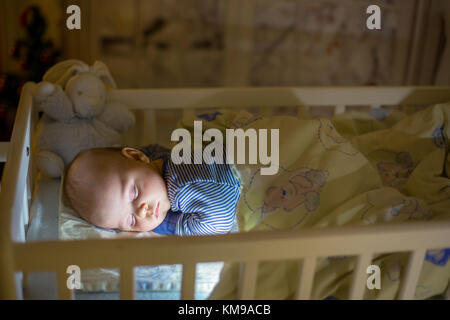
(19, 257)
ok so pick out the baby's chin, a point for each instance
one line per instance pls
(143, 229)
(153, 226)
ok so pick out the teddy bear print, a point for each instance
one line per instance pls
(393, 270)
(422, 291)
(209, 116)
(244, 118)
(386, 204)
(330, 138)
(411, 209)
(397, 171)
(438, 257)
(438, 137)
(302, 188)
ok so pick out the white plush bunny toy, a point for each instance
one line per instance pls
(77, 114)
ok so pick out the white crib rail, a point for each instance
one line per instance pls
(250, 248)
(146, 101)
(278, 96)
(14, 194)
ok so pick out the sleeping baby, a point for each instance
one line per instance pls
(142, 190)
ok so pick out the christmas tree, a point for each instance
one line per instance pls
(35, 55)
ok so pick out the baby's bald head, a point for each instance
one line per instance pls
(117, 188)
(86, 177)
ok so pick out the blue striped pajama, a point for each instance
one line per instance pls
(203, 198)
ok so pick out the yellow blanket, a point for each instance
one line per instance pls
(355, 169)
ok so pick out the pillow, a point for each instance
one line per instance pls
(148, 278)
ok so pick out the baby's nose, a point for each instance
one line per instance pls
(143, 209)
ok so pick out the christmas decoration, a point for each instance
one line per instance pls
(35, 54)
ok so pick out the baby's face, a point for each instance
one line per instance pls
(134, 198)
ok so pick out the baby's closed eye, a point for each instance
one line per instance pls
(131, 221)
(134, 192)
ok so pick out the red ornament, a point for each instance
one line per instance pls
(23, 65)
(23, 18)
(12, 50)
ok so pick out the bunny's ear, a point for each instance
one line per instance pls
(62, 71)
(101, 70)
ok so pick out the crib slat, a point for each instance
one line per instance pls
(307, 267)
(150, 127)
(64, 293)
(265, 111)
(359, 280)
(247, 280)
(127, 289)
(146, 126)
(340, 108)
(409, 109)
(303, 112)
(411, 278)
(188, 282)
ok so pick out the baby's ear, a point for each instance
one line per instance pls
(134, 154)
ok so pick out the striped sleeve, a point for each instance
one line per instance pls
(207, 208)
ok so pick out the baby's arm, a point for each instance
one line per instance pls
(205, 208)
